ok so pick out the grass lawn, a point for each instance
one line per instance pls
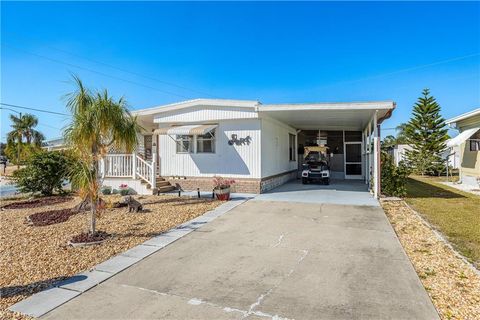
(455, 213)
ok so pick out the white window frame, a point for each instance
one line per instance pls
(178, 143)
(213, 138)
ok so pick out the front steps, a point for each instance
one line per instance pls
(162, 186)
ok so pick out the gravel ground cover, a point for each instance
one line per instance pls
(452, 284)
(33, 258)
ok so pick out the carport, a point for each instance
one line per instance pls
(350, 130)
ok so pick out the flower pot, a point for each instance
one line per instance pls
(222, 194)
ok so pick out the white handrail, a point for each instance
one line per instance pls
(144, 169)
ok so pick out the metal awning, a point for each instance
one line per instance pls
(189, 130)
(462, 137)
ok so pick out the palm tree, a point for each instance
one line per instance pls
(401, 135)
(389, 142)
(98, 123)
(24, 129)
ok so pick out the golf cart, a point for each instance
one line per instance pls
(316, 166)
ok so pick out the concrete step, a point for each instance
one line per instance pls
(165, 189)
(162, 183)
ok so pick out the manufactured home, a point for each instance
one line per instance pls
(261, 146)
(468, 140)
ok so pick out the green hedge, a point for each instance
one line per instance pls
(393, 177)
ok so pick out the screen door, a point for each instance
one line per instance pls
(353, 160)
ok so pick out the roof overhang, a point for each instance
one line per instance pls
(186, 130)
(462, 137)
(463, 116)
(252, 104)
(329, 116)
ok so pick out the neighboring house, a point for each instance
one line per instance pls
(54, 144)
(453, 154)
(398, 153)
(468, 140)
(260, 146)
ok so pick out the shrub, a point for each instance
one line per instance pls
(106, 190)
(44, 172)
(124, 190)
(393, 178)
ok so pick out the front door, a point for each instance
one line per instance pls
(353, 160)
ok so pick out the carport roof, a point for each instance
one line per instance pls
(329, 116)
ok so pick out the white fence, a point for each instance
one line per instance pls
(129, 166)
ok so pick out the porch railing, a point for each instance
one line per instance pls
(129, 166)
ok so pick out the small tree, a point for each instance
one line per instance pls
(44, 173)
(98, 123)
(426, 134)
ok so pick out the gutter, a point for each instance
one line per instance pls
(387, 115)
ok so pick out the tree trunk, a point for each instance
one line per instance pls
(93, 217)
(94, 203)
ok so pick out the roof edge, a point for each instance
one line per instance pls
(463, 116)
(197, 102)
(387, 104)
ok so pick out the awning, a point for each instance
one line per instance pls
(186, 130)
(462, 137)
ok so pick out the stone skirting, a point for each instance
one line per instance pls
(271, 182)
(242, 185)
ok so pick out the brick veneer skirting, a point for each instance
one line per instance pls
(241, 185)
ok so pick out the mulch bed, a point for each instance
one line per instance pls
(41, 202)
(50, 217)
(87, 237)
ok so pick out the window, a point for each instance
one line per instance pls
(474, 145)
(291, 147)
(184, 144)
(206, 143)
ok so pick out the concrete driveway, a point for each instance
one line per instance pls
(269, 259)
(351, 192)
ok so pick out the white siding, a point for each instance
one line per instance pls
(199, 114)
(275, 149)
(238, 161)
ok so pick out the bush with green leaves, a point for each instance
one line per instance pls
(106, 190)
(44, 173)
(393, 178)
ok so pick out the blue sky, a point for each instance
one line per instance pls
(274, 52)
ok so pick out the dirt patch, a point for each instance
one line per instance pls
(86, 237)
(35, 203)
(33, 258)
(46, 218)
(452, 284)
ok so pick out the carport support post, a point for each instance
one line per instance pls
(376, 158)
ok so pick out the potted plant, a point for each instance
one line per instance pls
(221, 188)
